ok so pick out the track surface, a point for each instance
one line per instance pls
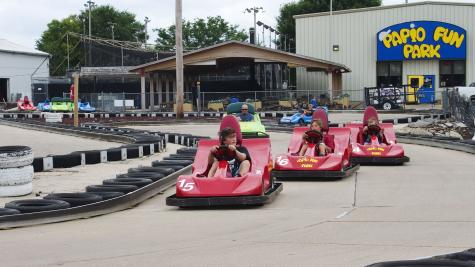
(412, 211)
(45, 143)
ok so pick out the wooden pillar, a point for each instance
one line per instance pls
(160, 82)
(152, 91)
(337, 83)
(142, 89)
(167, 89)
(174, 89)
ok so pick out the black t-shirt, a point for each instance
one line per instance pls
(243, 149)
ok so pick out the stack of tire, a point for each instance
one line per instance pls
(16, 171)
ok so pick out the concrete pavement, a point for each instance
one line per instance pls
(403, 212)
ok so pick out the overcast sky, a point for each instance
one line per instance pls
(23, 21)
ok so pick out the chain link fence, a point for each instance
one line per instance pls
(461, 107)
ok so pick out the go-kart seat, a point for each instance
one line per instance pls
(369, 112)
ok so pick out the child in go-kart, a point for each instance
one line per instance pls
(367, 136)
(324, 147)
(240, 164)
(308, 111)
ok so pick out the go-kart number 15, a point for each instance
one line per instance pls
(186, 186)
(282, 161)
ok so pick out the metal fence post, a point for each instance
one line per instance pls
(102, 102)
(123, 102)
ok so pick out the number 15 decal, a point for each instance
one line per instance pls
(186, 186)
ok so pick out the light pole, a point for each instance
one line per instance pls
(179, 59)
(112, 24)
(254, 10)
(90, 4)
(147, 20)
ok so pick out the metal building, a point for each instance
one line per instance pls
(18, 66)
(426, 45)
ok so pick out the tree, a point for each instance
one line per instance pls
(53, 40)
(286, 22)
(200, 33)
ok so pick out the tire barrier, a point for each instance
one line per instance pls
(143, 144)
(151, 115)
(123, 192)
(458, 259)
(16, 171)
(75, 199)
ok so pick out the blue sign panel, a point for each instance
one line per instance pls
(421, 40)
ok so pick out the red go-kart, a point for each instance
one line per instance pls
(25, 105)
(254, 188)
(379, 150)
(335, 164)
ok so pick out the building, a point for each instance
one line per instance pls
(428, 46)
(231, 68)
(18, 66)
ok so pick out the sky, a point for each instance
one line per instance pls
(23, 21)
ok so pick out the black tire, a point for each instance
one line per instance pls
(8, 211)
(147, 175)
(164, 170)
(387, 105)
(139, 182)
(421, 263)
(75, 199)
(160, 163)
(37, 205)
(467, 255)
(114, 154)
(133, 152)
(108, 195)
(38, 164)
(66, 161)
(180, 157)
(111, 188)
(187, 150)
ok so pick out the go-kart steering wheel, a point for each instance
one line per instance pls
(313, 137)
(224, 153)
(374, 129)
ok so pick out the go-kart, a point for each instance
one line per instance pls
(254, 188)
(44, 106)
(382, 147)
(300, 117)
(85, 107)
(25, 105)
(59, 104)
(249, 129)
(335, 164)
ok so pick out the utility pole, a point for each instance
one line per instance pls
(254, 10)
(147, 20)
(112, 24)
(90, 4)
(179, 59)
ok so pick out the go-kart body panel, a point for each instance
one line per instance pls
(336, 164)
(253, 183)
(85, 107)
(387, 152)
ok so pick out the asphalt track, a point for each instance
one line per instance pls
(383, 213)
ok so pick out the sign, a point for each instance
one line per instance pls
(421, 40)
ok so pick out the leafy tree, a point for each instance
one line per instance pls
(53, 40)
(200, 33)
(286, 22)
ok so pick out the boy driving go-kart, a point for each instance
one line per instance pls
(315, 136)
(239, 161)
(373, 130)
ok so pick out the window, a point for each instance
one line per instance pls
(452, 73)
(389, 73)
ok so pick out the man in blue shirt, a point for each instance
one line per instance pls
(245, 115)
